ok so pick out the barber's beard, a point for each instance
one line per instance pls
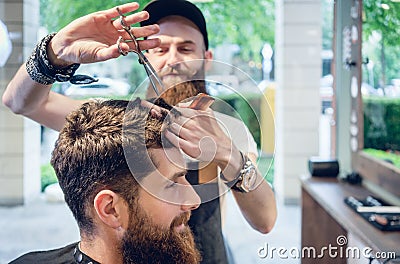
(178, 93)
(145, 242)
(182, 72)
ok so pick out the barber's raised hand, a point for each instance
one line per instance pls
(200, 135)
(93, 38)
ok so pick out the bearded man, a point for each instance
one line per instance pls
(119, 220)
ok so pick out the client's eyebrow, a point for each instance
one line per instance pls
(178, 174)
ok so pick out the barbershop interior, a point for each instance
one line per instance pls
(316, 82)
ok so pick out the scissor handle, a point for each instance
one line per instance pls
(122, 21)
(127, 29)
(151, 73)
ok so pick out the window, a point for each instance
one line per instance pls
(378, 160)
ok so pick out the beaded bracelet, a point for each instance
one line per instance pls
(40, 69)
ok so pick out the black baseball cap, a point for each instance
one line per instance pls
(159, 9)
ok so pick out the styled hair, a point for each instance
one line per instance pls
(89, 153)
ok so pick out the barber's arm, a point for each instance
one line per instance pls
(35, 101)
(88, 39)
(258, 205)
(191, 132)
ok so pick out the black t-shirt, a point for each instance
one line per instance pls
(205, 223)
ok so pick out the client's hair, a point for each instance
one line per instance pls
(89, 153)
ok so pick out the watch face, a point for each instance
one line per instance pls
(249, 179)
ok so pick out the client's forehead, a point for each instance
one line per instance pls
(169, 161)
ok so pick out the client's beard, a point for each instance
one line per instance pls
(144, 242)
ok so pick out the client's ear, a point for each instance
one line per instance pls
(111, 209)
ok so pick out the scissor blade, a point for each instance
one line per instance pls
(155, 80)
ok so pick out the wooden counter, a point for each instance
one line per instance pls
(325, 217)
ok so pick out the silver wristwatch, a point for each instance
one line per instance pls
(246, 181)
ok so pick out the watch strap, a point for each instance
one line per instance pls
(237, 183)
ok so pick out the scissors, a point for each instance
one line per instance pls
(155, 80)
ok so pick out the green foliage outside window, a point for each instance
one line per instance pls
(382, 123)
(48, 176)
(385, 156)
(250, 24)
(381, 31)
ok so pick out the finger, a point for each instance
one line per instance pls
(152, 106)
(182, 121)
(145, 31)
(131, 19)
(187, 112)
(125, 8)
(196, 114)
(149, 43)
(184, 104)
(137, 17)
(143, 44)
(155, 113)
(110, 52)
(181, 131)
(174, 139)
(182, 144)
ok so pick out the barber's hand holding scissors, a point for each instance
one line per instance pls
(199, 134)
(93, 38)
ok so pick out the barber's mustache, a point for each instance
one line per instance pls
(178, 70)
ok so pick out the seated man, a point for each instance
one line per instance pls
(119, 221)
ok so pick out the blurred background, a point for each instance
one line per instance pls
(298, 95)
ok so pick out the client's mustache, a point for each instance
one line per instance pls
(181, 219)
